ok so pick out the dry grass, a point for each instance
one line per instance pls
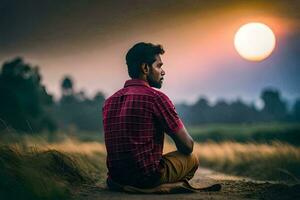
(276, 161)
(49, 170)
(71, 146)
(24, 161)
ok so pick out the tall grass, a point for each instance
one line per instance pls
(34, 167)
(49, 171)
(276, 161)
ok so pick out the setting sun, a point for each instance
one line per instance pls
(254, 41)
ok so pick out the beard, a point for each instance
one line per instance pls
(154, 83)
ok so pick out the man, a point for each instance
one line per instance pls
(135, 119)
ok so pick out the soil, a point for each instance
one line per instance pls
(233, 187)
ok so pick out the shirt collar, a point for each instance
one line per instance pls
(136, 82)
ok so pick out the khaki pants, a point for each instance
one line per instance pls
(178, 166)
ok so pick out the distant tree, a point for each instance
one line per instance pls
(183, 110)
(90, 117)
(99, 98)
(242, 113)
(201, 111)
(24, 100)
(296, 110)
(67, 86)
(274, 107)
(221, 112)
(75, 109)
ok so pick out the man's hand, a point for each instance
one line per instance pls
(183, 141)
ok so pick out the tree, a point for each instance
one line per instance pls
(296, 110)
(274, 107)
(241, 112)
(67, 86)
(99, 98)
(221, 112)
(24, 100)
(201, 111)
(75, 109)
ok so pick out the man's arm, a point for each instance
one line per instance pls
(165, 112)
(183, 141)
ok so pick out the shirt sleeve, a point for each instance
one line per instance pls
(165, 112)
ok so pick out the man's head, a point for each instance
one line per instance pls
(144, 62)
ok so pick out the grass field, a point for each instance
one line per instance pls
(276, 161)
(48, 166)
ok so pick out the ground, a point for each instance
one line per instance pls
(233, 187)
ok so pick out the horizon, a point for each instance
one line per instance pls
(256, 101)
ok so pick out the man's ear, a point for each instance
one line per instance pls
(145, 68)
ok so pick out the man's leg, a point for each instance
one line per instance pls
(178, 166)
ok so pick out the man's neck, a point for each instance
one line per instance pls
(143, 78)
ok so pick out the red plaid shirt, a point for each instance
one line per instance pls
(134, 120)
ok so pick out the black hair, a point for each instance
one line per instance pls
(141, 53)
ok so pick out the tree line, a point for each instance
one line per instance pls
(27, 106)
(274, 109)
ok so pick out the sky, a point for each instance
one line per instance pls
(88, 40)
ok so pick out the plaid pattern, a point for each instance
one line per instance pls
(134, 120)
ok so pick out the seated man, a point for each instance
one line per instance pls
(135, 119)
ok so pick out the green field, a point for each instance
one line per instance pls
(259, 133)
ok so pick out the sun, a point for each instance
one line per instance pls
(254, 41)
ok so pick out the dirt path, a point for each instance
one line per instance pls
(233, 187)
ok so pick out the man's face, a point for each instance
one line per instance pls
(155, 77)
